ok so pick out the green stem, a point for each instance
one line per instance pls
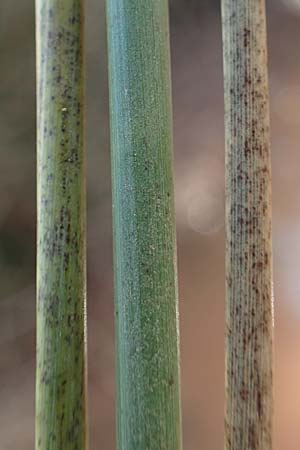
(249, 340)
(61, 279)
(148, 405)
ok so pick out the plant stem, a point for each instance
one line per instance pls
(61, 279)
(148, 404)
(249, 310)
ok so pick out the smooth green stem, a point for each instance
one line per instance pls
(249, 310)
(61, 279)
(148, 399)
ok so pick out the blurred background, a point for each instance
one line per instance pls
(199, 170)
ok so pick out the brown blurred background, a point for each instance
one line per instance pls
(199, 168)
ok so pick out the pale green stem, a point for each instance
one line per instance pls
(61, 279)
(249, 309)
(148, 399)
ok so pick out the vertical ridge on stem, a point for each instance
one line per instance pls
(249, 309)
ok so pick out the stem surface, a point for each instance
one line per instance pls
(148, 404)
(249, 310)
(61, 279)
